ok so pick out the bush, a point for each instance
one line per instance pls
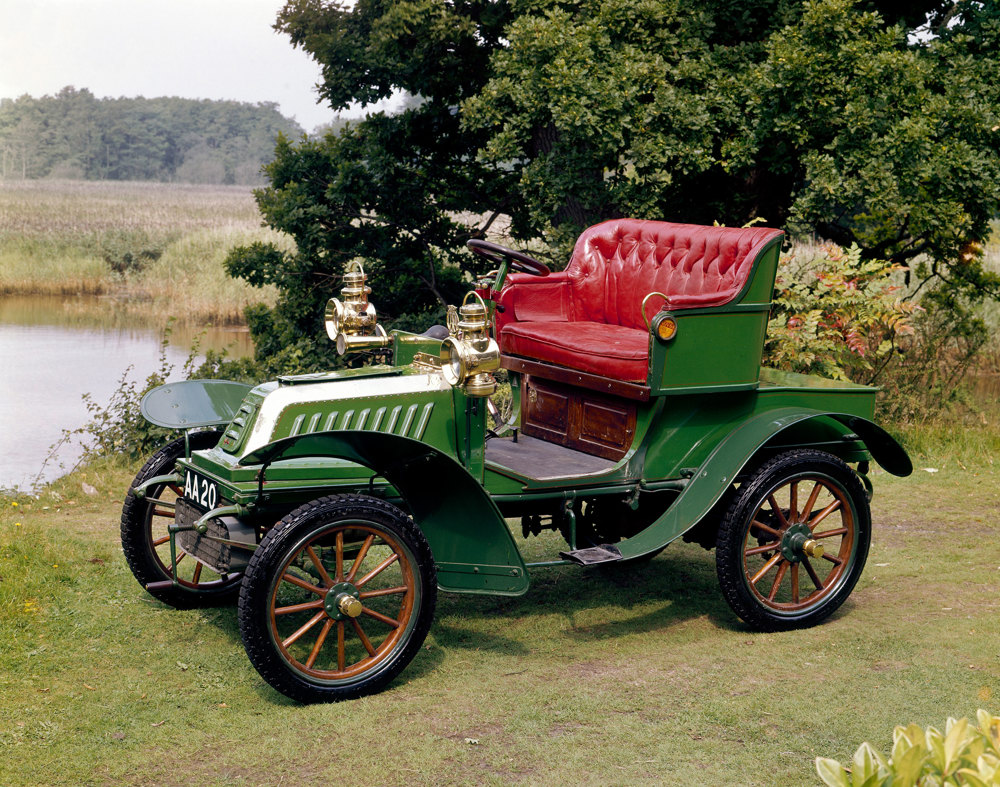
(837, 315)
(964, 755)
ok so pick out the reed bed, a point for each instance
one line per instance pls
(57, 237)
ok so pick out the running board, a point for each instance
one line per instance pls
(605, 553)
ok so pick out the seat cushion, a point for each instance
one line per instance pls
(593, 347)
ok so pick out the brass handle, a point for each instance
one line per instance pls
(649, 324)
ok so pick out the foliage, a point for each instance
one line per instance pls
(932, 374)
(963, 755)
(872, 122)
(118, 428)
(75, 135)
(837, 315)
(128, 251)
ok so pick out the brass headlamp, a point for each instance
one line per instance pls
(351, 323)
(469, 357)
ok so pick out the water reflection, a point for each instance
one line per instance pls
(52, 351)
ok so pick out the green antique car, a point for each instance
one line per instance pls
(335, 506)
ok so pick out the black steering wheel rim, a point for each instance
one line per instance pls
(518, 260)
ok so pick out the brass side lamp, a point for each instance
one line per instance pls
(470, 356)
(351, 323)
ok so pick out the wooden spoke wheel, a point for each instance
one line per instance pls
(338, 599)
(146, 542)
(794, 541)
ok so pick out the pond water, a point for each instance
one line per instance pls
(53, 350)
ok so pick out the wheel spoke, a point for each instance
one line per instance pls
(840, 531)
(383, 592)
(765, 568)
(795, 583)
(379, 616)
(341, 658)
(176, 490)
(319, 643)
(168, 514)
(824, 513)
(360, 558)
(761, 548)
(766, 528)
(777, 510)
(340, 555)
(323, 575)
(364, 639)
(304, 628)
(777, 580)
(833, 559)
(377, 570)
(197, 573)
(808, 507)
(812, 573)
(318, 604)
(793, 502)
(303, 584)
(161, 541)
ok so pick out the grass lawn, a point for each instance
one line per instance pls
(592, 678)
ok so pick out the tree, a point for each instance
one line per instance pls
(873, 122)
(75, 135)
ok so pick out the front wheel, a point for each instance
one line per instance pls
(794, 541)
(337, 599)
(146, 539)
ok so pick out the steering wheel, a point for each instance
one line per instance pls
(518, 261)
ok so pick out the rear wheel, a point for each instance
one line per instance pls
(794, 540)
(146, 541)
(337, 599)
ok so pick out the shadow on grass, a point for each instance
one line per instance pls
(598, 603)
(681, 583)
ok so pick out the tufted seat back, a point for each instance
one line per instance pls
(589, 317)
(616, 263)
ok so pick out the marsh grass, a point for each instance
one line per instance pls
(639, 676)
(64, 238)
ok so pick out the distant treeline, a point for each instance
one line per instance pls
(76, 135)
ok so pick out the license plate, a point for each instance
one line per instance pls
(200, 490)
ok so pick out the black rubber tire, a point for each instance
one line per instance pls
(836, 481)
(147, 564)
(315, 525)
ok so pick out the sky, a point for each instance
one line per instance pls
(218, 49)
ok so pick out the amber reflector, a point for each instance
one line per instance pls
(667, 328)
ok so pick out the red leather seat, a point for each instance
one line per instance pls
(589, 317)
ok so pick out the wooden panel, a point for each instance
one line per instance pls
(549, 413)
(577, 418)
(551, 371)
(606, 425)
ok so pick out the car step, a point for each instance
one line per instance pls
(605, 553)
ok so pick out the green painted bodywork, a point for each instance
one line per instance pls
(399, 431)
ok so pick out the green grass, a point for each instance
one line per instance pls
(55, 236)
(593, 678)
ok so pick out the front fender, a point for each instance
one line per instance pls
(731, 455)
(193, 403)
(472, 546)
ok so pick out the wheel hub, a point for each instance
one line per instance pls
(342, 601)
(797, 542)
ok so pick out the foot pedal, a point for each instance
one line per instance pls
(605, 553)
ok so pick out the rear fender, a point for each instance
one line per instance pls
(733, 453)
(472, 546)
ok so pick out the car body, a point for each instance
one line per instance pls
(338, 504)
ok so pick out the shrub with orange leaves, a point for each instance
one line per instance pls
(838, 315)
